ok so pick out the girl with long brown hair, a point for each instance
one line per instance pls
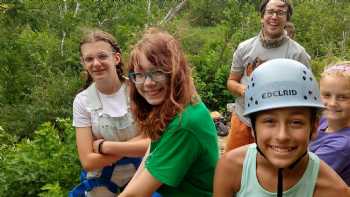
(102, 118)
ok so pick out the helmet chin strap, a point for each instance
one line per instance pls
(280, 182)
(280, 170)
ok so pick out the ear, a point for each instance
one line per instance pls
(81, 60)
(314, 128)
(117, 57)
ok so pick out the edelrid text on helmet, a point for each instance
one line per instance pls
(266, 95)
(281, 83)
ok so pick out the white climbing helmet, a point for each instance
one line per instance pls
(281, 83)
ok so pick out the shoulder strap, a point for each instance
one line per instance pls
(313, 173)
(248, 177)
(94, 101)
(126, 91)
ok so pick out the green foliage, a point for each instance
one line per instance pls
(52, 190)
(205, 12)
(39, 68)
(48, 164)
(327, 30)
(318, 64)
(5, 138)
(210, 61)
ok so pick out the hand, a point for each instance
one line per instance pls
(95, 145)
(242, 89)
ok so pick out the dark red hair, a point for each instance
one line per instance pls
(164, 52)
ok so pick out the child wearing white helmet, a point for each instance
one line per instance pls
(282, 101)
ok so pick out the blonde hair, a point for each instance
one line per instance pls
(339, 69)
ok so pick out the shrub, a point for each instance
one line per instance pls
(48, 164)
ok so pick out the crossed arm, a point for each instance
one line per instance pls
(135, 147)
(91, 160)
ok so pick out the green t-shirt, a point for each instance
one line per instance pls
(185, 156)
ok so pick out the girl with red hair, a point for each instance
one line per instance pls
(183, 152)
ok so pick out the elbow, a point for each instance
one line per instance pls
(87, 166)
(228, 84)
(230, 87)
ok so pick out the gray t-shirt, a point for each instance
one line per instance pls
(250, 53)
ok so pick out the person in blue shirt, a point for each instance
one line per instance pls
(332, 143)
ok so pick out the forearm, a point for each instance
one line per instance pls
(138, 137)
(141, 167)
(234, 84)
(88, 158)
(235, 88)
(94, 161)
(135, 148)
(144, 185)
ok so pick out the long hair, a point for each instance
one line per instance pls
(95, 35)
(164, 52)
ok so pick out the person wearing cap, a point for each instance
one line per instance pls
(282, 101)
(271, 42)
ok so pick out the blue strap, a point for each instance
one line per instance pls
(89, 184)
(83, 175)
(104, 180)
(156, 194)
(134, 160)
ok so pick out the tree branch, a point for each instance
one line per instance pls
(172, 12)
(62, 42)
(77, 6)
(65, 6)
(148, 12)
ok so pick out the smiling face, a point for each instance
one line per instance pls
(335, 95)
(274, 19)
(99, 59)
(154, 92)
(283, 134)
